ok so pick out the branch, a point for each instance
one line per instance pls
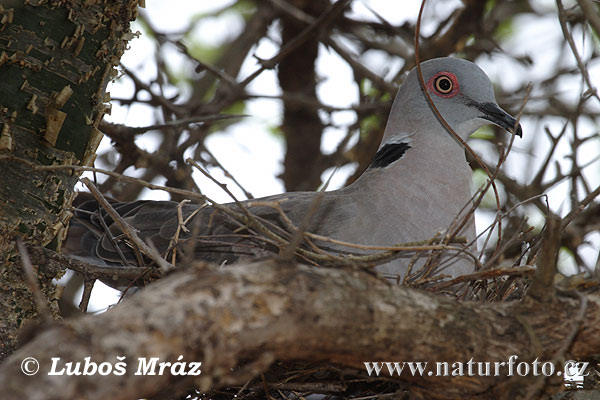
(265, 311)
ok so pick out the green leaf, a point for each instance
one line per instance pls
(505, 29)
(483, 133)
(276, 131)
(480, 179)
(369, 124)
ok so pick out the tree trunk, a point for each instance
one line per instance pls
(56, 59)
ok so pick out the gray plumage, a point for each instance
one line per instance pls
(416, 187)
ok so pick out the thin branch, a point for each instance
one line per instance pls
(584, 72)
(127, 229)
(32, 281)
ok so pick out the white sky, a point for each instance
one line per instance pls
(254, 156)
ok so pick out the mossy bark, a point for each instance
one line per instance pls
(56, 59)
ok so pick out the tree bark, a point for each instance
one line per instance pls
(56, 59)
(267, 311)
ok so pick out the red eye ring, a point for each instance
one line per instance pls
(443, 84)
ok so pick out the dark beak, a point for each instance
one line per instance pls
(493, 113)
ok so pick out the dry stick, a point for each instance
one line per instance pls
(485, 274)
(590, 12)
(428, 266)
(306, 101)
(110, 236)
(181, 226)
(508, 243)
(584, 72)
(541, 287)
(299, 233)
(360, 68)
(445, 123)
(581, 206)
(290, 225)
(126, 228)
(412, 246)
(388, 251)
(124, 178)
(293, 11)
(506, 214)
(251, 220)
(441, 118)
(94, 271)
(300, 15)
(219, 184)
(501, 160)
(491, 182)
(321, 22)
(243, 388)
(178, 123)
(316, 387)
(38, 297)
(222, 75)
(88, 285)
(452, 228)
(139, 84)
(228, 174)
(537, 180)
(575, 172)
(114, 240)
(116, 175)
(288, 253)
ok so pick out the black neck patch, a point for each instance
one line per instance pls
(388, 154)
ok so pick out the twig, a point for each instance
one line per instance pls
(485, 274)
(298, 235)
(60, 262)
(116, 175)
(181, 226)
(227, 174)
(581, 206)
(359, 68)
(542, 286)
(323, 21)
(88, 285)
(445, 123)
(39, 299)
(590, 12)
(565, 30)
(126, 228)
(137, 130)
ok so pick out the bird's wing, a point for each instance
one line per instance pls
(216, 234)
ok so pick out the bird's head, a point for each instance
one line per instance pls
(462, 93)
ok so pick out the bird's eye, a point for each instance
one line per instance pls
(443, 84)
